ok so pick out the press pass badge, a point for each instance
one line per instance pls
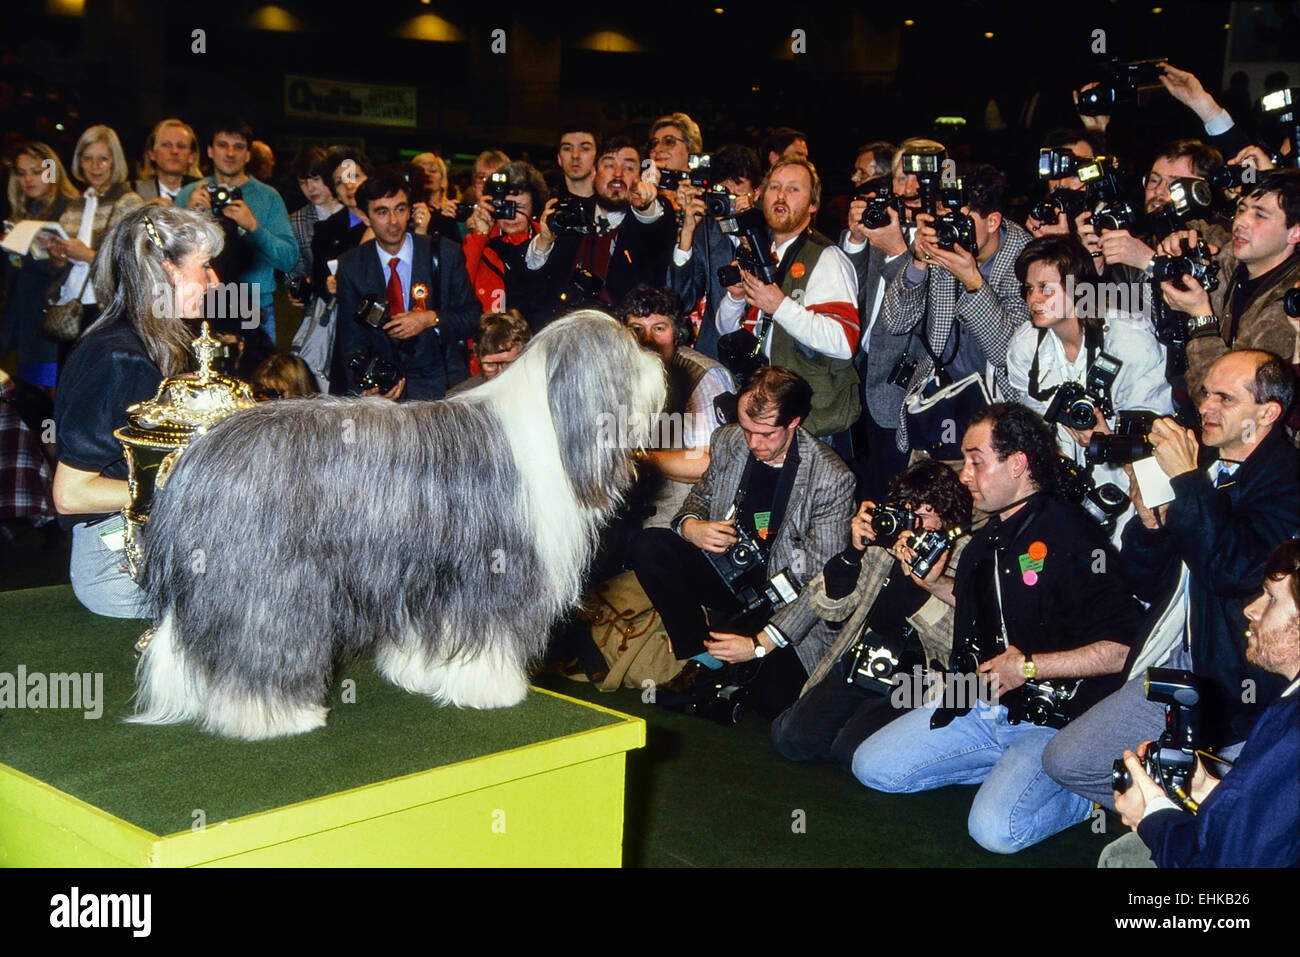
(333, 266)
(112, 533)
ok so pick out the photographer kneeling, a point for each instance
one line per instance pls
(789, 497)
(1250, 818)
(851, 693)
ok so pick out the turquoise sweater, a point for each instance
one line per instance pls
(272, 241)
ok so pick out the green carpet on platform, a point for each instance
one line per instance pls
(152, 776)
(698, 795)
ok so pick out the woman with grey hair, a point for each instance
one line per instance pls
(155, 271)
(97, 161)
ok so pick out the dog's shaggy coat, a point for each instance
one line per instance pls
(444, 538)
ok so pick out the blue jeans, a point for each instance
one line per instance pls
(1017, 804)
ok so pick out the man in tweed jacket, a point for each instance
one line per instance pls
(798, 501)
(974, 301)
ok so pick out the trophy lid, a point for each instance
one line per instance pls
(187, 405)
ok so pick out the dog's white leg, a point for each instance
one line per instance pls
(167, 691)
(236, 714)
(491, 678)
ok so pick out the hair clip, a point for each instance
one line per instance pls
(152, 230)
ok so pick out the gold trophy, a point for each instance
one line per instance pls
(158, 430)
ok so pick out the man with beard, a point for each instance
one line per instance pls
(807, 321)
(628, 242)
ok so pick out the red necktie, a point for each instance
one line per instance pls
(396, 303)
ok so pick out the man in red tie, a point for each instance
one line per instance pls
(808, 319)
(431, 307)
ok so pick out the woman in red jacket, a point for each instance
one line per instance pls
(494, 247)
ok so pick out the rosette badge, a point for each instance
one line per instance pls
(419, 296)
(159, 429)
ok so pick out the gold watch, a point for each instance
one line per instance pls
(1029, 669)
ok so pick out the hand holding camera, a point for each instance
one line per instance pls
(887, 237)
(714, 537)
(861, 531)
(238, 211)
(1174, 447)
(480, 221)
(955, 259)
(691, 205)
(1182, 253)
(1121, 246)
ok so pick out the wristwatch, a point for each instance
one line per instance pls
(759, 650)
(1207, 325)
(1029, 669)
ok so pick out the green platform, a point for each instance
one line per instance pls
(392, 779)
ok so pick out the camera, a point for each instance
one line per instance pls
(929, 545)
(221, 195)
(1044, 703)
(299, 287)
(498, 186)
(927, 166)
(584, 287)
(464, 211)
(1171, 760)
(901, 374)
(1058, 163)
(719, 202)
(373, 372)
(889, 520)
(1102, 181)
(955, 229)
(373, 311)
(726, 705)
(1059, 200)
(876, 215)
(877, 658)
(1189, 198)
(1279, 107)
(1076, 405)
(569, 216)
(742, 353)
(696, 172)
(1291, 303)
(754, 254)
(1104, 503)
(1197, 262)
(1129, 442)
(1119, 86)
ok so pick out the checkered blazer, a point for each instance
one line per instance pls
(991, 315)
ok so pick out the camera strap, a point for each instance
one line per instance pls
(1091, 343)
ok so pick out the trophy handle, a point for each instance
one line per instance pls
(165, 469)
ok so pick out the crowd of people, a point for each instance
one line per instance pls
(1103, 391)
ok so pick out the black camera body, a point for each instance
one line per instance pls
(373, 311)
(1104, 503)
(1045, 703)
(1102, 178)
(498, 186)
(1119, 85)
(299, 287)
(877, 658)
(1171, 760)
(955, 229)
(901, 374)
(1190, 197)
(1055, 163)
(584, 287)
(1291, 303)
(697, 173)
(1198, 263)
(719, 202)
(570, 217)
(1059, 200)
(1129, 441)
(1076, 405)
(222, 195)
(891, 519)
(754, 254)
(929, 545)
(372, 372)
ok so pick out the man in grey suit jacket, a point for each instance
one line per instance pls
(970, 304)
(878, 255)
(788, 491)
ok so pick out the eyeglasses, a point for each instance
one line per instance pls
(669, 141)
(1152, 180)
(96, 160)
(494, 366)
